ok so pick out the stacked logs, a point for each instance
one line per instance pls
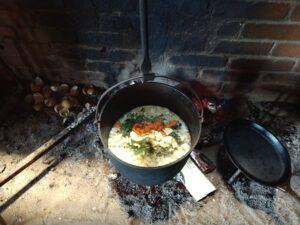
(63, 98)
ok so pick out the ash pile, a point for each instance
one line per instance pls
(150, 203)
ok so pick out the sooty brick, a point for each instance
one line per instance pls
(296, 14)
(272, 31)
(250, 10)
(230, 29)
(248, 48)
(199, 60)
(262, 64)
(108, 39)
(289, 50)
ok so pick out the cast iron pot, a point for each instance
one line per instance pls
(134, 92)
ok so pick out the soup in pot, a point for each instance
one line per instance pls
(149, 136)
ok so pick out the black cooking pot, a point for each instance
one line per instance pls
(129, 94)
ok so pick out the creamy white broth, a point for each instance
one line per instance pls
(154, 147)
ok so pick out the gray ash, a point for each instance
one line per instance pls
(253, 193)
(150, 203)
(281, 120)
(288, 132)
(256, 196)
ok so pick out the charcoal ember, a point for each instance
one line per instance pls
(255, 111)
(211, 134)
(150, 203)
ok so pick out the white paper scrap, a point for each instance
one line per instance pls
(195, 181)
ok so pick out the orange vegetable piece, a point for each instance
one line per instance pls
(145, 127)
(117, 124)
(173, 122)
(137, 128)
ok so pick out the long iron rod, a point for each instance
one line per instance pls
(146, 63)
(36, 154)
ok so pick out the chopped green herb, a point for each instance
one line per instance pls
(177, 138)
(143, 147)
(127, 124)
(131, 119)
(146, 148)
(155, 118)
(161, 151)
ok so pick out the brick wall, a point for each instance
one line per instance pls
(233, 46)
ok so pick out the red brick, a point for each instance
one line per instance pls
(272, 31)
(296, 14)
(289, 50)
(248, 48)
(262, 65)
(250, 9)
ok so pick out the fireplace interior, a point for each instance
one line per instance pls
(57, 57)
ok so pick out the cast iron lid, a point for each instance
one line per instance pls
(257, 152)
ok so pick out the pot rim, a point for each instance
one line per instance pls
(200, 121)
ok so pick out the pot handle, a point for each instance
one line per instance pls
(111, 90)
(195, 97)
(142, 79)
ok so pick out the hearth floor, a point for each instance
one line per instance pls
(74, 184)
